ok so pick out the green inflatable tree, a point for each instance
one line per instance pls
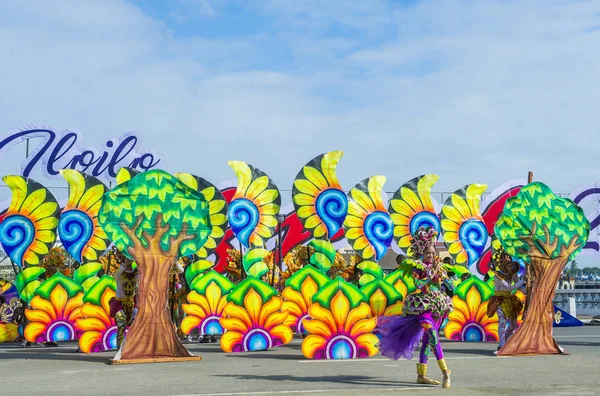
(154, 219)
(546, 232)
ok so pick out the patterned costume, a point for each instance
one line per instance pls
(122, 307)
(425, 310)
(507, 305)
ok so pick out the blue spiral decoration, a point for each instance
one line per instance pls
(473, 236)
(75, 229)
(17, 233)
(379, 230)
(243, 217)
(425, 219)
(332, 207)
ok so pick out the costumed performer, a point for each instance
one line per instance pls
(425, 309)
(176, 292)
(123, 305)
(504, 302)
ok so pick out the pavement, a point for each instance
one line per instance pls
(284, 371)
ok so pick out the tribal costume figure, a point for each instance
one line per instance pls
(425, 309)
(504, 302)
(122, 308)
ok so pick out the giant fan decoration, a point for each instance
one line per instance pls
(155, 219)
(368, 226)
(465, 232)
(98, 327)
(253, 316)
(412, 207)
(340, 325)
(217, 210)
(28, 228)
(206, 300)
(305, 283)
(402, 282)
(78, 227)
(469, 320)
(253, 210)
(320, 202)
(55, 309)
(546, 231)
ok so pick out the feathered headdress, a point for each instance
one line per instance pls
(421, 239)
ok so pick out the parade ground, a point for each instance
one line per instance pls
(475, 370)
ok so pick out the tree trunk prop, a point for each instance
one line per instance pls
(534, 336)
(152, 336)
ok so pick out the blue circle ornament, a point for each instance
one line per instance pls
(17, 233)
(75, 229)
(379, 230)
(473, 235)
(243, 216)
(331, 206)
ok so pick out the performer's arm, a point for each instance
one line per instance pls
(519, 284)
(420, 278)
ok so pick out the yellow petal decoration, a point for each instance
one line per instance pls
(256, 325)
(469, 321)
(412, 207)
(78, 227)
(28, 228)
(54, 320)
(320, 202)
(368, 226)
(339, 333)
(217, 211)
(254, 207)
(465, 232)
(205, 311)
(99, 329)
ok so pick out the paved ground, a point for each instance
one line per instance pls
(475, 371)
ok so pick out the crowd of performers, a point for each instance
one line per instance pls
(425, 309)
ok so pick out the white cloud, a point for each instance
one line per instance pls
(475, 91)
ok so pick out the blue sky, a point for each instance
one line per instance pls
(475, 91)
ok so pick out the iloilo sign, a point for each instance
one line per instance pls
(59, 151)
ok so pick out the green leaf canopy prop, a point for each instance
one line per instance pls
(545, 231)
(154, 219)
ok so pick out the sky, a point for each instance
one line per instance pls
(475, 91)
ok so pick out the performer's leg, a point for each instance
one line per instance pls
(428, 325)
(502, 328)
(512, 326)
(121, 326)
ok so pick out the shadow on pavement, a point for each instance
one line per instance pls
(471, 351)
(49, 354)
(579, 343)
(265, 355)
(342, 379)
